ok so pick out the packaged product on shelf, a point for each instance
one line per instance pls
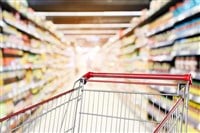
(35, 91)
(195, 88)
(161, 51)
(11, 30)
(6, 107)
(198, 69)
(187, 28)
(162, 67)
(10, 51)
(184, 6)
(189, 64)
(157, 4)
(193, 64)
(1, 66)
(163, 19)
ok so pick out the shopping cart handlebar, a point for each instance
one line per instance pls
(181, 77)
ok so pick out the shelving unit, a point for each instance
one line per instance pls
(172, 46)
(29, 53)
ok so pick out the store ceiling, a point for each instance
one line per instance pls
(88, 20)
(88, 6)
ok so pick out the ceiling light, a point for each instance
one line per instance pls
(84, 14)
(86, 36)
(84, 32)
(78, 26)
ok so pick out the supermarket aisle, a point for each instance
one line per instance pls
(45, 47)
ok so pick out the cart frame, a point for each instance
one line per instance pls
(76, 94)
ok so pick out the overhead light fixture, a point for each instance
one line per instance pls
(86, 32)
(84, 14)
(86, 36)
(78, 26)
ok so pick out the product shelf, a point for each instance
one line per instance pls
(38, 44)
(186, 53)
(190, 32)
(162, 58)
(172, 39)
(158, 13)
(22, 47)
(16, 68)
(20, 90)
(8, 6)
(23, 29)
(171, 43)
(7, 75)
(195, 10)
(162, 44)
(194, 98)
(49, 90)
(135, 58)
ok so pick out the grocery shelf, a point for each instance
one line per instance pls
(6, 5)
(128, 50)
(188, 33)
(131, 49)
(31, 50)
(161, 58)
(7, 75)
(22, 47)
(23, 34)
(195, 10)
(161, 28)
(136, 58)
(173, 54)
(173, 38)
(27, 31)
(127, 45)
(195, 52)
(194, 98)
(13, 93)
(35, 99)
(149, 19)
(12, 55)
(159, 12)
(171, 43)
(16, 68)
(23, 29)
(163, 44)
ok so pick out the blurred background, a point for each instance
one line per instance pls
(47, 44)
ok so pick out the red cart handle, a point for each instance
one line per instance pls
(184, 77)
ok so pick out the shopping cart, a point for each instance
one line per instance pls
(118, 103)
